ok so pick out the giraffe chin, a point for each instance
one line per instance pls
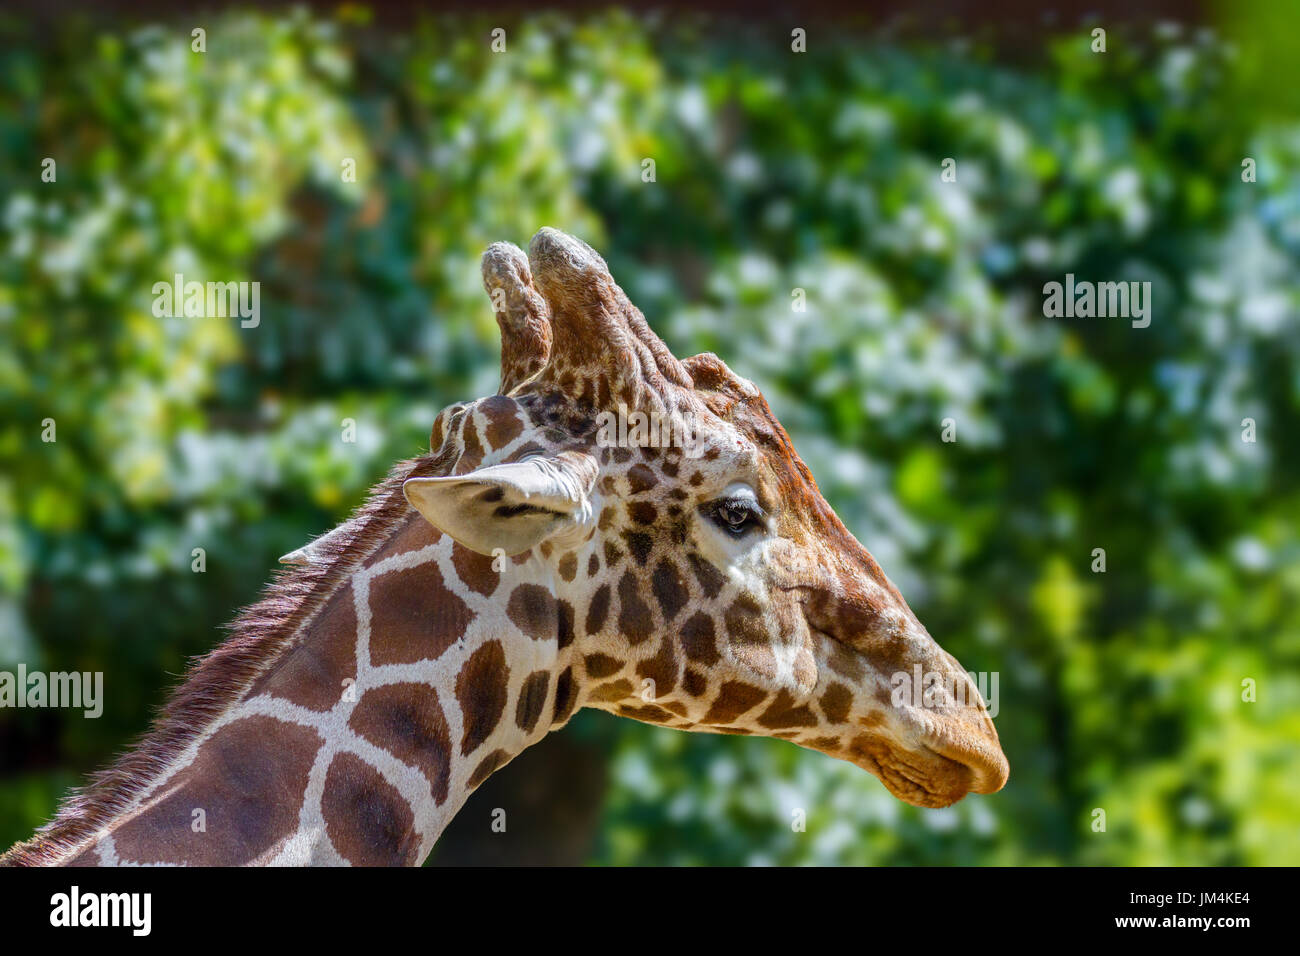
(924, 777)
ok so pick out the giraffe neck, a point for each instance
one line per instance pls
(421, 675)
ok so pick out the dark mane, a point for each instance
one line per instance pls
(216, 680)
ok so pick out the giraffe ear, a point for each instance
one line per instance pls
(510, 507)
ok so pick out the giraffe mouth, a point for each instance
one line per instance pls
(928, 766)
(928, 760)
(923, 778)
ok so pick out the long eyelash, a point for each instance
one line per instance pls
(747, 505)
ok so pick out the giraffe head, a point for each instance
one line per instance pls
(696, 572)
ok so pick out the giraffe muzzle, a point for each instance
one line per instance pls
(980, 753)
(961, 732)
(934, 773)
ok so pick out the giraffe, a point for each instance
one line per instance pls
(551, 552)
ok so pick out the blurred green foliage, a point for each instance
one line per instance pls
(774, 171)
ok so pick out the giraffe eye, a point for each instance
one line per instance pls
(736, 514)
